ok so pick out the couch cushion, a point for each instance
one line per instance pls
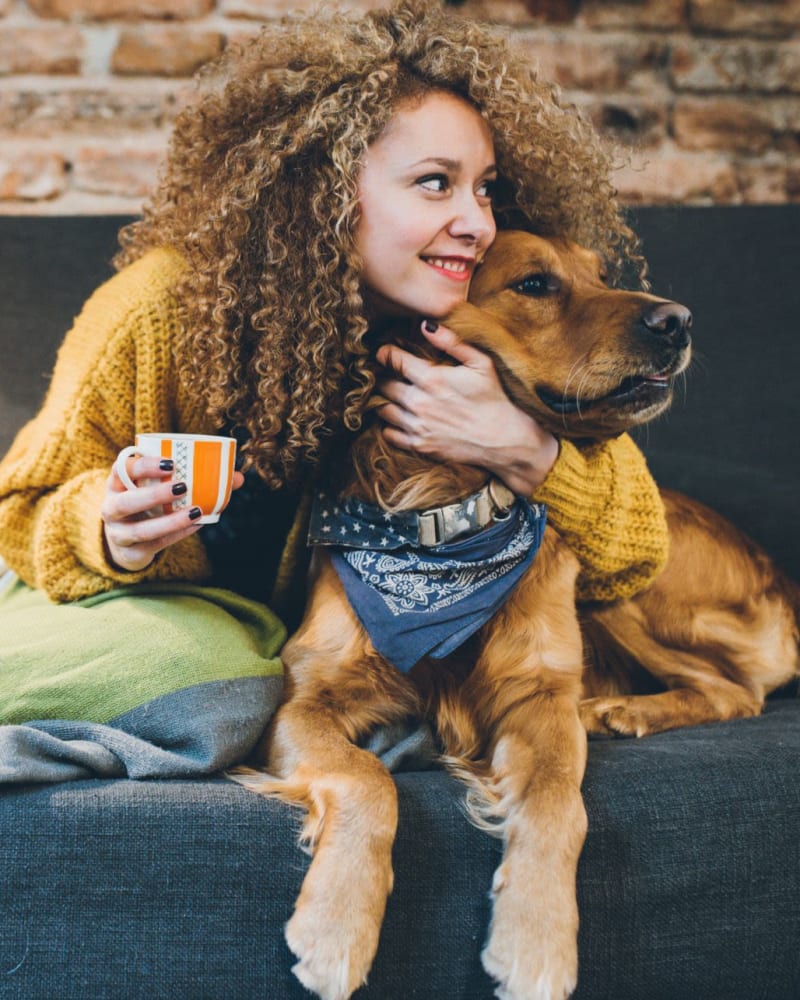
(688, 884)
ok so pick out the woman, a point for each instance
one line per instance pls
(297, 208)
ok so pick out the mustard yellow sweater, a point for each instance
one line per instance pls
(116, 376)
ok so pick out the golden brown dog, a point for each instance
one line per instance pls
(715, 633)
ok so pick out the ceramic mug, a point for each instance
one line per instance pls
(205, 462)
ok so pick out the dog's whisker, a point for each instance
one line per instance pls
(699, 364)
(577, 369)
(684, 384)
(585, 376)
(581, 369)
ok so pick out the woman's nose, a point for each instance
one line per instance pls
(474, 221)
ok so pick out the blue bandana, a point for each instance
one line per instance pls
(417, 601)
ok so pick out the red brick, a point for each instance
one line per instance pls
(106, 10)
(242, 33)
(764, 183)
(553, 11)
(31, 175)
(500, 11)
(658, 15)
(773, 18)
(508, 12)
(742, 124)
(86, 108)
(629, 119)
(579, 61)
(793, 183)
(164, 51)
(40, 50)
(672, 177)
(129, 171)
(265, 10)
(717, 112)
(736, 66)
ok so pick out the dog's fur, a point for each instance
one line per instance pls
(715, 633)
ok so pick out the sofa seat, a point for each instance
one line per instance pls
(688, 884)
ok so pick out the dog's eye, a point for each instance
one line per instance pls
(538, 285)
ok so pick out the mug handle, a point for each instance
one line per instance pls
(120, 465)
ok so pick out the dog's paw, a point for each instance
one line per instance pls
(530, 955)
(613, 717)
(336, 924)
(530, 976)
(334, 954)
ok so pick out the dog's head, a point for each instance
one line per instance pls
(584, 359)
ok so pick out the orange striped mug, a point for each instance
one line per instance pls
(204, 462)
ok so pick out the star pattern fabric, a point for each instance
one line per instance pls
(355, 524)
(416, 601)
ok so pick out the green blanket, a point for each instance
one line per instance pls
(192, 671)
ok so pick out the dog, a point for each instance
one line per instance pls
(512, 703)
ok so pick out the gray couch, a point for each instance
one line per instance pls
(690, 878)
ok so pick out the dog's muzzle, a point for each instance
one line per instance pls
(440, 525)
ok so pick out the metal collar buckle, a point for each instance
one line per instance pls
(445, 524)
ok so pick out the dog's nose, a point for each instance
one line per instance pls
(671, 320)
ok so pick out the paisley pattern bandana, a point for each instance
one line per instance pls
(417, 601)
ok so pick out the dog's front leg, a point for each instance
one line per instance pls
(350, 828)
(337, 690)
(529, 673)
(538, 765)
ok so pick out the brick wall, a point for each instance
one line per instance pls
(706, 91)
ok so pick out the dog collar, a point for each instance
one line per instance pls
(357, 524)
(456, 520)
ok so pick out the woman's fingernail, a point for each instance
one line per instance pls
(179, 489)
(166, 465)
(194, 513)
(431, 325)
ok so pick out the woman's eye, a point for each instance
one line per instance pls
(486, 189)
(434, 182)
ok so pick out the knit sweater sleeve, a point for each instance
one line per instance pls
(604, 503)
(114, 377)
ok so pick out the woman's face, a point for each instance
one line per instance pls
(426, 212)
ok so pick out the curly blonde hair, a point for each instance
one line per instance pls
(259, 195)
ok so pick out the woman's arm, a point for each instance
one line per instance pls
(601, 498)
(604, 503)
(114, 375)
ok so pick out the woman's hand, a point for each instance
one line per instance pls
(133, 537)
(462, 414)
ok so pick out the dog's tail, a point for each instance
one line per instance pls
(791, 593)
(464, 751)
(794, 598)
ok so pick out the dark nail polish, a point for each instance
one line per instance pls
(431, 325)
(166, 465)
(179, 489)
(194, 513)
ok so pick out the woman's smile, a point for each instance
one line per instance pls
(452, 268)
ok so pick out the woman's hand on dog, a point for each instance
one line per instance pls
(133, 535)
(461, 413)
